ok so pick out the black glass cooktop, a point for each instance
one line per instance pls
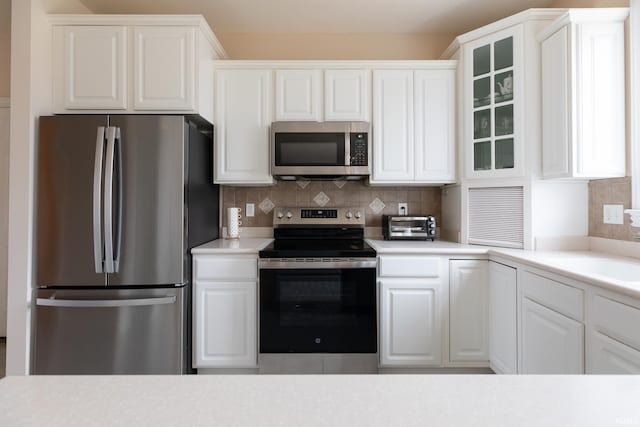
(309, 248)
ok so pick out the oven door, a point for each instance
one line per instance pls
(317, 308)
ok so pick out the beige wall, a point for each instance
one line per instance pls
(590, 3)
(5, 47)
(334, 46)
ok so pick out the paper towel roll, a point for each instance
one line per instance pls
(233, 223)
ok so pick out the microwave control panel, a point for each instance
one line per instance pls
(359, 151)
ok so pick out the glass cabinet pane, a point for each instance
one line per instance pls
(482, 92)
(504, 153)
(482, 156)
(503, 53)
(504, 86)
(504, 120)
(482, 124)
(481, 60)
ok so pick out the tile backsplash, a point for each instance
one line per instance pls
(616, 191)
(376, 201)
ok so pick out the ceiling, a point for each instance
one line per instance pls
(329, 16)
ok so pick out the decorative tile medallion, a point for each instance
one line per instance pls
(321, 199)
(266, 205)
(340, 182)
(302, 183)
(377, 205)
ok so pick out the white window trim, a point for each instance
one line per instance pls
(634, 58)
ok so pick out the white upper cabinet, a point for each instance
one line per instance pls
(133, 64)
(163, 68)
(243, 114)
(95, 73)
(583, 95)
(298, 95)
(393, 147)
(347, 95)
(434, 125)
(414, 126)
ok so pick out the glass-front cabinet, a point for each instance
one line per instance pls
(493, 77)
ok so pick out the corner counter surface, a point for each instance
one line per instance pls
(234, 246)
(321, 400)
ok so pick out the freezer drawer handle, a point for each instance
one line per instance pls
(52, 302)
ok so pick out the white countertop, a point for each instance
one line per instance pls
(313, 400)
(438, 247)
(233, 246)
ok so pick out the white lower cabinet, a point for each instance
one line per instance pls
(551, 342)
(608, 356)
(225, 312)
(226, 324)
(410, 322)
(468, 310)
(503, 338)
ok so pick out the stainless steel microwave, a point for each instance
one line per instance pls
(320, 150)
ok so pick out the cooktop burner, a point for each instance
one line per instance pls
(318, 233)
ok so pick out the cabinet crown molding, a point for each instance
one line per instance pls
(346, 64)
(535, 14)
(143, 20)
(578, 16)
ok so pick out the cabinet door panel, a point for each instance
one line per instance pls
(434, 125)
(347, 95)
(95, 67)
(551, 343)
(555, 98)
(410, 325)
(503, 344)
(243, 101)
(608, 356)
(164, 68)
(469, 310)
(393, 143)
(226, 331)
(298, 95)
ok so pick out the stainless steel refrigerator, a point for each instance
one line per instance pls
(121, 200)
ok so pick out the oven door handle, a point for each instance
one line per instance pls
(310, 263)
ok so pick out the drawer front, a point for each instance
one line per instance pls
(557, 296)
(617, 320)
(409, 266)
(224, 268)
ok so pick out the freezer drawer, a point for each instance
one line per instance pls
(105, 331)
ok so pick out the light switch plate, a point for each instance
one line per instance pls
(250, 209)
(613, 214)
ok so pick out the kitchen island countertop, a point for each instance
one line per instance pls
(330, 400)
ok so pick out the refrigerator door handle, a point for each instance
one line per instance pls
(52, 302)
(98, 253)
(108, 201)
(118, 165)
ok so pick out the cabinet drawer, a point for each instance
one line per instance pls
(409, 266)
(617, 320)
(557, 296)
(221, 267)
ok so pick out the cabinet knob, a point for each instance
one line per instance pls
(289, 215)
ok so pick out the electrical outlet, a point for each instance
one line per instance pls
(403, 208)
(613, 214)
(250, 209)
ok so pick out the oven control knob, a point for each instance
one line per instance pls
(349, 215)
(279, 215)
(358, 214)
(289, 215)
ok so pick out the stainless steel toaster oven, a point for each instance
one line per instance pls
(413, 227)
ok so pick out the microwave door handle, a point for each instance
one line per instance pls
(98, 249)
(347, 149)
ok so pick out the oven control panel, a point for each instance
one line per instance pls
(318, 216)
